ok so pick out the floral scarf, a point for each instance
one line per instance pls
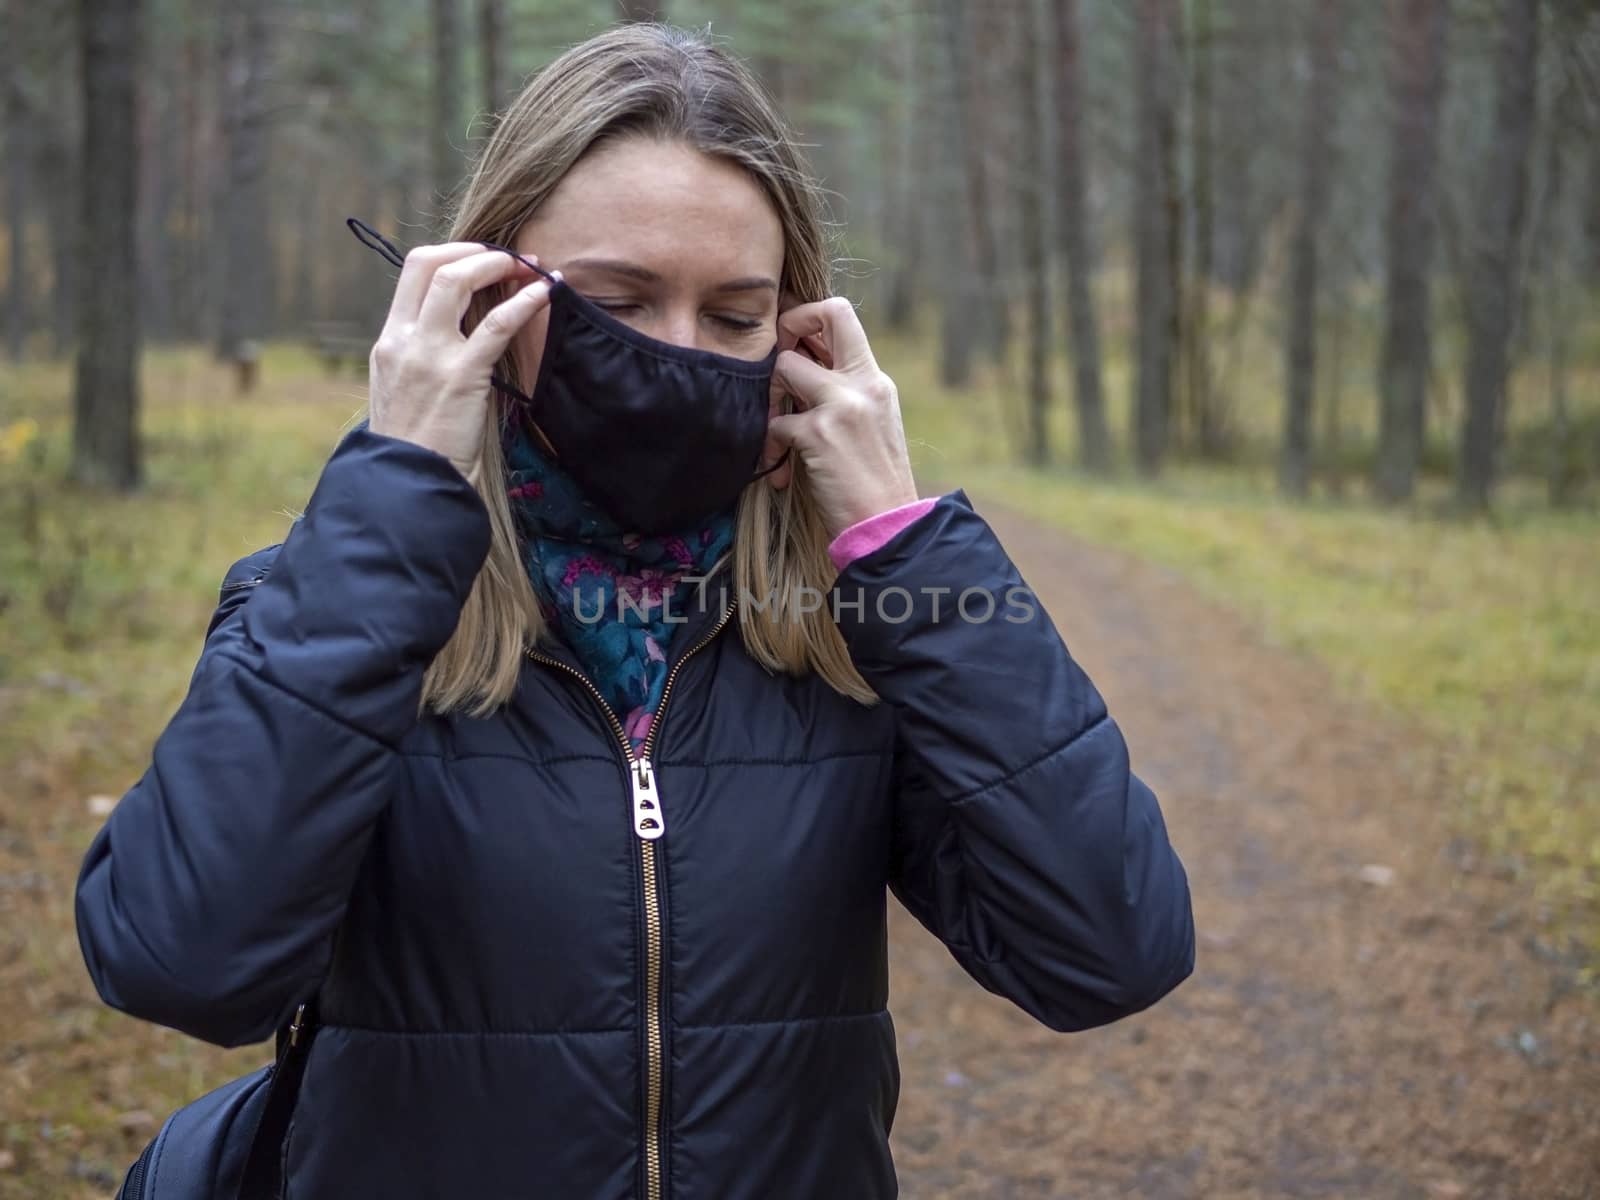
(580, 561)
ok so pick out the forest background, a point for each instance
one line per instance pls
(1296, 298)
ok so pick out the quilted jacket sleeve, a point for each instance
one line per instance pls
(1023, 839)
(209, 899)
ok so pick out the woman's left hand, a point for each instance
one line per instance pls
(847, 430)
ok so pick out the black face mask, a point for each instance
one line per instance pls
(658, 435)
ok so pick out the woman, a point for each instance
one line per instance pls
(567, 765)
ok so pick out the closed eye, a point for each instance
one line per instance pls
(738, 324)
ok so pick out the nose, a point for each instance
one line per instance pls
(681, 327)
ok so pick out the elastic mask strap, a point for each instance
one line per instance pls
(368, 236)
(782, 458)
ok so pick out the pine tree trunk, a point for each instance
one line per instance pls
(105, 449)
(157, 247)
(1333, 403)
(960, 294)
(1173, 426)
(304, 294)
(982, 244)
(1406, 360)
(1208, 429)
(61, 174)
(491, 53)
(904, 216)
(1300, 346)
(993, 50)
(1153, 31)
(1591, 219)
(193, 261)
(18, 180)
(1035, 253)
(241, 207)
(446, 164)
(1083, 328)
(1495, 253)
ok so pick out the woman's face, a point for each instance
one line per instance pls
(683, 247)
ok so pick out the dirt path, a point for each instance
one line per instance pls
(1341, 1036)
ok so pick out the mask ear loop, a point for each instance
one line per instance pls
(368, 236)
(782, 458)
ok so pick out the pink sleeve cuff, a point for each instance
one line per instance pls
(866, 536)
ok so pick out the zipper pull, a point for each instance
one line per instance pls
(648, 821)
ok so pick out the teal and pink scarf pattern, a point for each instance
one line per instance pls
(580, 560)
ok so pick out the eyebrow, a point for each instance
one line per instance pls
(614, 266)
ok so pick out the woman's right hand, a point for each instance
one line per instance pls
(429, 383)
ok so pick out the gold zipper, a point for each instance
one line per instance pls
(649, 823)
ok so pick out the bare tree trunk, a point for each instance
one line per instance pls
(105, 446)
(491, 53)
(903, 231)
(60, 170)
(1416, 96)
(18, 182)
(242, 198)
(192, 293)
(994, 47)
(1153, 31)
(1333, 404)
(1172, 180)
(1495, 254)
(446, 164)
(1591, 221)
(354, 291)
(1208, 429)
(641, 10)
(1557, 263)
(1035, 253)
(983, 253)
(1316, 174)
(1561, 472)
(1094, 440)
(307, 237)
(159, 183)
(1238, 125)
(959, 291)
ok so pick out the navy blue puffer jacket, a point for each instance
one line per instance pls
(517, 996)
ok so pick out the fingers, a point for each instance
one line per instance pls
(416, 276)
(832, 329)
(417, 272)
(451, 288)
(805, 380)
(783, 431)
(501, 323)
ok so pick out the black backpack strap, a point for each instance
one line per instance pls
(263, 1166)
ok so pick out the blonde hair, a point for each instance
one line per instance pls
(662, 83)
